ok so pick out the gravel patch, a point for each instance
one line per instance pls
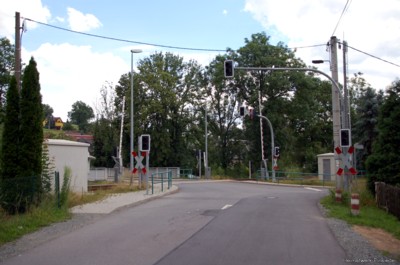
(358, 249)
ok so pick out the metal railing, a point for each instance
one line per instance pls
(160, 178)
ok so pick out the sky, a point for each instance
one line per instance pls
(74, 67)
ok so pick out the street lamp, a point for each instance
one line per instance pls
(132, 106)
(319, 61)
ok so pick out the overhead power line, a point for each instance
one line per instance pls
(128, 41)
(147, 43)
(373, 56)
(184, 48)
(346, 7)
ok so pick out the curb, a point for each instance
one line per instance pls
(104, 207)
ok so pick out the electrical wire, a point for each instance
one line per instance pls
(147, 43)
(187, 48)
(128, 41)
(373, 56)
(346, 7)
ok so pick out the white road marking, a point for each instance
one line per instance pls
(312, 189)
(226, 207)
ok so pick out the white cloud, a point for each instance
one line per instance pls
(70, 73)
(82, 22)
(367, 25)
(33, 9)
(225, 12)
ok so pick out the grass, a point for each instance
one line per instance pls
(370, 215)
(13, 227)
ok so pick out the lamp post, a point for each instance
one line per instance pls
(132, 106)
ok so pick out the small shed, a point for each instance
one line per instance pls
(74, 155)
(326, 167)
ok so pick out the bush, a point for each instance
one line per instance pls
(65, 189)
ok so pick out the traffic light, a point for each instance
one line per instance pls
(144, 143)
(277, 151)
(228, 68)
(242, 111)
(345, 138)
(253, 113)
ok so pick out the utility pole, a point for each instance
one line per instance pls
(346, 114)
(18, 50)
(335, 92)
(346, 105)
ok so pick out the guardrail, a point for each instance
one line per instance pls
(161, 177)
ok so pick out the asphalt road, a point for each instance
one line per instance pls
(204, 223)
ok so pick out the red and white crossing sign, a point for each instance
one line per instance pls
(346, 160)
(139, 162)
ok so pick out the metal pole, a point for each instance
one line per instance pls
(206, 152)
(120, 135)
(132, 127)
(262, 137)
(272, 146)
(132, 108)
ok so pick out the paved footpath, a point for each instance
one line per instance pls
(117, 201)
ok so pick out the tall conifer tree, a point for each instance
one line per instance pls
(10, 188)
(31, 131)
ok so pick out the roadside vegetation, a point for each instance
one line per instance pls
(370, 215)
(15, 226)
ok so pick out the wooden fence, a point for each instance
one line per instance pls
(388, 198)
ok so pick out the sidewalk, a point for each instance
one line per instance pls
(119, 200)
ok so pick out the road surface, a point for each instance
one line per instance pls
(204, 223)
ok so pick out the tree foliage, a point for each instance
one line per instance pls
(81, 114)
(6, 69)
(171, 96)
(384, 163)
(10, 188)
(31, 130)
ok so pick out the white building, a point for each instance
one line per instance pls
(74, 155)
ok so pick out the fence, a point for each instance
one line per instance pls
(300, 178)
(101, 173)
(388, 198)
(160, 178)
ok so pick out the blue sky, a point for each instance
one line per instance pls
(74, 67)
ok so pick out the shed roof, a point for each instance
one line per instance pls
(66, 143)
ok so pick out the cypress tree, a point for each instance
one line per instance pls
(31, 131)
(10, 188)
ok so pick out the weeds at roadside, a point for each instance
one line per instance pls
(370, 215)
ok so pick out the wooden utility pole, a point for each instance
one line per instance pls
(18, 50)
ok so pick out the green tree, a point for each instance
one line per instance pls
(6, 68)
(223, 118)
(384, 164)
(166, 89)
(365, 127)
(80, 115)
(105, 129)
(31, 131)
(296, 103)
(10, 184)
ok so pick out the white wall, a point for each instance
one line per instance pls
(74, 155)
(331, 157)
